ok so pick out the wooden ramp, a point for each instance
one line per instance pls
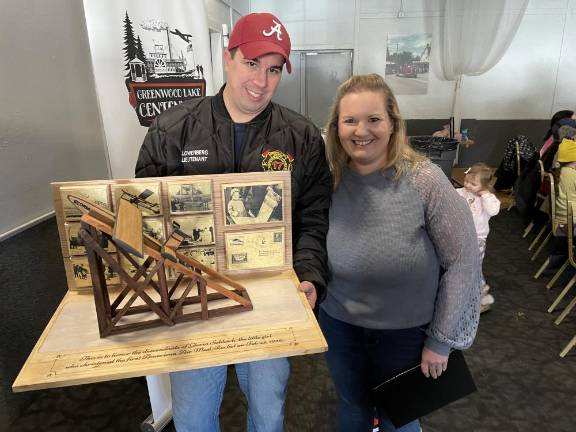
(124, 231)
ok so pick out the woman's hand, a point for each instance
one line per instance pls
(309, 289)
(432, 364)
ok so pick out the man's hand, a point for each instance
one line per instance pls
(432, 364)
(309, 289)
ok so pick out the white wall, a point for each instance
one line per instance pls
(221, 12)
(535, 78)
(50, 126)
(313, 24)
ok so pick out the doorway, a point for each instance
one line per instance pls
(311, 86)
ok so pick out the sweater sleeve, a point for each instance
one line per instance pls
(310, 218)
(490, 203)
(451, 229)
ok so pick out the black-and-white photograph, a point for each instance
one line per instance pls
(83, 277)
(75, 246)
(255, 249)
(154, 227)
(97, 194)
(239, 258)
(145, 196)
(206, 256)
(190, 197)
(253, 203)
(198, 230)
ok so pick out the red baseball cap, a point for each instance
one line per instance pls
(257, 34)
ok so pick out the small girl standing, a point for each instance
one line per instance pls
(477, 191)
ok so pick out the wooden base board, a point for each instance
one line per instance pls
(70, 351)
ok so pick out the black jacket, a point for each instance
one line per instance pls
(197, 137)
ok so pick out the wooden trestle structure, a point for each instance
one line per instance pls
(99, 225)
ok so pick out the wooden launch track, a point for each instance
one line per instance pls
(99, 225)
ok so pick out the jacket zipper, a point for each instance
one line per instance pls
(233, 136)
(241, 155)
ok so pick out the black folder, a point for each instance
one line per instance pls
(410, 395)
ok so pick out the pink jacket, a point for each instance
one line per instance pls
(483, 207)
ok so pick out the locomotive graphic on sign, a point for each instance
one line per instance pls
(163, 74)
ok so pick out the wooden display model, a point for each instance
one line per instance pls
(124, 230)
(174, 258)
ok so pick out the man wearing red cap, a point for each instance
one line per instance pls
(241, 130)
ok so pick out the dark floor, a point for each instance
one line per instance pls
(523, 383)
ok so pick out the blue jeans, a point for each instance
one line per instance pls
(359, 359)
(197, 395)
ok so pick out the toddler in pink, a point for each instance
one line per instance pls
(477, 192)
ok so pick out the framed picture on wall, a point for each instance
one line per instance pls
(408, 63)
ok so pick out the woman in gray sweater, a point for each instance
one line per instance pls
(404, 287)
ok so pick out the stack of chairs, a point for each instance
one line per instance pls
(540, 199)
(551, 228)
(571, 282)
(540, 241)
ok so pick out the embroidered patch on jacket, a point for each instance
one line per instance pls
(275, 160)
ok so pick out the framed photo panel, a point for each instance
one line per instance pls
(190, 197)
(206, 255)
(97, 194)
(145, 195)
(252, 203)
(199, 229)
(255, 249)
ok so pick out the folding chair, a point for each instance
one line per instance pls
(540, 198)
(572, 260)
(568, 347)
(571, 305)
(553, 225)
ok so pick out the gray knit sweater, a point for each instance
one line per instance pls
(403, 253)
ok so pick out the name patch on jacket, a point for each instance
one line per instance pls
(194, 155)
(275, 160)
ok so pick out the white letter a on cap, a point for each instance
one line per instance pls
(274, 29)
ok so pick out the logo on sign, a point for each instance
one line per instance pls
(161, 72)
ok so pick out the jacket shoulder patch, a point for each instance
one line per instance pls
(275, 160)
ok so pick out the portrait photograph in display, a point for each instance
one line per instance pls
(96, 194)
(199, 229)
(145, 196)
(252, 203)
(187, 197)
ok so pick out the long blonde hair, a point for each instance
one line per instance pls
(398, 150)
